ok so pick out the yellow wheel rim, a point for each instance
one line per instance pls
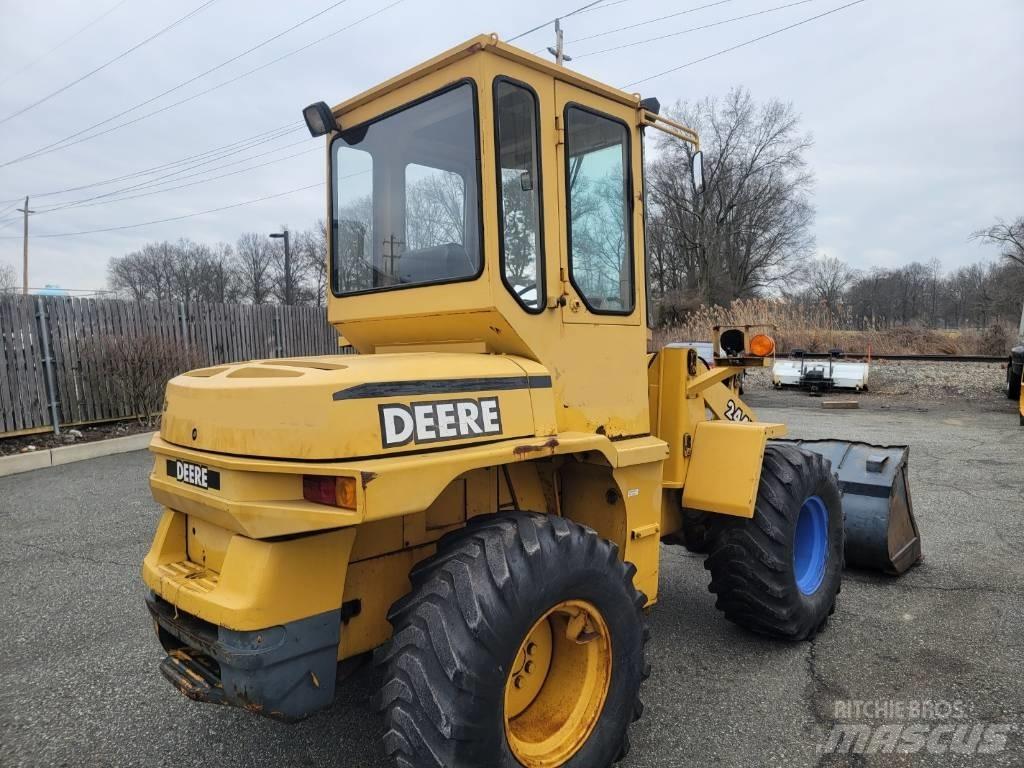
(556, 690)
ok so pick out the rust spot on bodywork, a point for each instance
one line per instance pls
(367, 478)
(522, 450)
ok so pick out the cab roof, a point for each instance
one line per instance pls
(490, 44)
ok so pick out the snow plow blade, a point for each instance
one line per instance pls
(881, 533)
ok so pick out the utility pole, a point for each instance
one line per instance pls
(558, 51)
(283, 234)
(24, 249)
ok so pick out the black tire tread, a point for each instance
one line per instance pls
(442, 636)
(1013, 383)
(749, 576)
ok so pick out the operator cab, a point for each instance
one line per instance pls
(489, 201)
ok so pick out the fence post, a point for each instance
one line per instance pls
(48, 361)
(183, 322)
(278, 333)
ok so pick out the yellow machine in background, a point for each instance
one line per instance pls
(1015, 378)
(481, 492)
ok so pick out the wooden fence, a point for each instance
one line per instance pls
(45, 372)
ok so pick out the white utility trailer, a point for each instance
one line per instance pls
(820, 375)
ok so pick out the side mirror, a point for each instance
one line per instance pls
(697, 170)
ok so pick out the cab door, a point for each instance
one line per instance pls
(603, 340)
(599, 185)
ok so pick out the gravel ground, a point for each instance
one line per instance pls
(78, 660)
(968, 382)
(71, 436)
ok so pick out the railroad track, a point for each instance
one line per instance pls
(1002, 359)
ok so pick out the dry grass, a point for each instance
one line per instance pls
(814, 329)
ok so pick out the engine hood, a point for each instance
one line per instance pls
(335, 407)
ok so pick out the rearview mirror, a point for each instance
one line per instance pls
(697, 170)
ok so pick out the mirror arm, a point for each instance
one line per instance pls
(671, 127)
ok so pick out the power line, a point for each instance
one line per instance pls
(745, 43)
(174, 218)
(53, 148)
(151, 191)
(605, 6)
(173, 176)
(193, 79)
(63, 42)
(694, 29)
(218, 153)
(530, 31)
(106, 64)
(649, 21)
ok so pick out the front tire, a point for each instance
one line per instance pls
(520, 644)
(779, 572)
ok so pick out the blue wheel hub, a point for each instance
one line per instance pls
(810, 545)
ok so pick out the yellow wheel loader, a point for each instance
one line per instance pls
(481, 492)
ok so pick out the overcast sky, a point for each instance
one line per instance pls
(918, 136)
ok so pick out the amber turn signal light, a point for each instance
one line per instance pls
(762, 345)
(346, 492)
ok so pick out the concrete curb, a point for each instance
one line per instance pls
(52, 457)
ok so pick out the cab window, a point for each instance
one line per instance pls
(406, 196)
(599, 211)
(519, 214)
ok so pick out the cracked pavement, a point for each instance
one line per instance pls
(78, 659)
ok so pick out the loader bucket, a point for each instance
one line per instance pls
(881, 533)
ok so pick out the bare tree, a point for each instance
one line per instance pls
(145, 274)
(222, 283)
(828, 280)
(1009, 238)
(751, 229)
(311, 252)
(254, 261)
(8, 279)
(189, 269)
(435, 207)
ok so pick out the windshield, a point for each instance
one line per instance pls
(406, 197)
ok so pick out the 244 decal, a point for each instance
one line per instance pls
(733, 412)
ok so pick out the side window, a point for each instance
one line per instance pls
(600, 227)
(522, 265)
(353, 219)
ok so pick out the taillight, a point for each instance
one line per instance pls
(334, 491)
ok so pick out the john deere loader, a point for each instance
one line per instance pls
(480, 494)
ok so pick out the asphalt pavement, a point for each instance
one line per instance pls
(941, 646)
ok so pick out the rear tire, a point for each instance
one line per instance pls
(1012, 384)
(779, 572)
(461, 634)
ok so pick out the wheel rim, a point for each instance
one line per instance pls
(558, 684)
(810, 545)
